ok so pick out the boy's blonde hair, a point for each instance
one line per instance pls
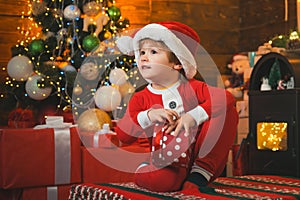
(172, 57)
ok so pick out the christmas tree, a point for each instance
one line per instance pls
(274, 75)
(66, 55)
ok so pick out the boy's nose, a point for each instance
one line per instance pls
(144, 57)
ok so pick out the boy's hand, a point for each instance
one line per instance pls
(163, 116)
(185, 122)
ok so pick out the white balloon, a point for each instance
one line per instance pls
(71, 12)
(107, 98)
(89, 71)
(34, 91)
(68, 68)
(118, 76)
(20, 68)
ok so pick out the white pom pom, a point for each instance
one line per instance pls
(125, 45)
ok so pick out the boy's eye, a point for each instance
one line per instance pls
(153, 51)
(142, 53)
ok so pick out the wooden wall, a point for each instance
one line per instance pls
(225, 27)
(216, 21)
(263, 19)
(10, 14)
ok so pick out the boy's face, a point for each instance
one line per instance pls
(154, 63)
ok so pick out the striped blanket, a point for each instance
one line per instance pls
(239, 187)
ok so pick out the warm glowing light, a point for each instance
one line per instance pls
(272, 136)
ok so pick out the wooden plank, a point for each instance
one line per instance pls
(13, 7)
(259, 27)
(9, 38)
(209, 17)
(219, 42)
(137, 11)
(11, 23)
(212, 2)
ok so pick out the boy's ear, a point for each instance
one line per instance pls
(177, 66)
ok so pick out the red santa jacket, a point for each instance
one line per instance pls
(208, 105)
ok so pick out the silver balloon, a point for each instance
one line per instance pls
(107, 98)
(20, 68)
(34, 91)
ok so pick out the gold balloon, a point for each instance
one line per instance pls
(126, 88)
(93, 120)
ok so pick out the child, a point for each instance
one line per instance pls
(190, 125)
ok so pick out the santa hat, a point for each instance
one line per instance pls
(181, 39)
(237, 57)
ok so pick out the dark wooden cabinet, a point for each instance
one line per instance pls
(274, 120)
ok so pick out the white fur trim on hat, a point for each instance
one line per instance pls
(125, 45)
(161, 33)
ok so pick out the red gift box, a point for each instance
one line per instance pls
(39, 157)
(92, 139)
(60, 192)
(103, 165)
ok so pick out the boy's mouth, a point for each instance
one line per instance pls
(146, 67)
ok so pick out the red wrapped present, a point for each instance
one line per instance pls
(92, 139)
(102, 165)
(39, 157)
(60, 192)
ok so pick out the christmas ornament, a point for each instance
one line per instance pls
(77, 90)
(89, 71)
(68, 68)
(20, 68)
(34, 91)
(117, 76)
(36, 47)
(93, 15)
(92, 8)
(107, 98)
(99, 21)
(104, 35)
(90, 42)
(38, 7)
(114, 13)
(93, 120)
(71, 12)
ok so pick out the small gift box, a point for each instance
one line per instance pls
(39, 157)
(105, 138)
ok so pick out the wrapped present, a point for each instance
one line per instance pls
(107, 140)
(104, 138)
(60, 192)
(100, 165)
(39, 157)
